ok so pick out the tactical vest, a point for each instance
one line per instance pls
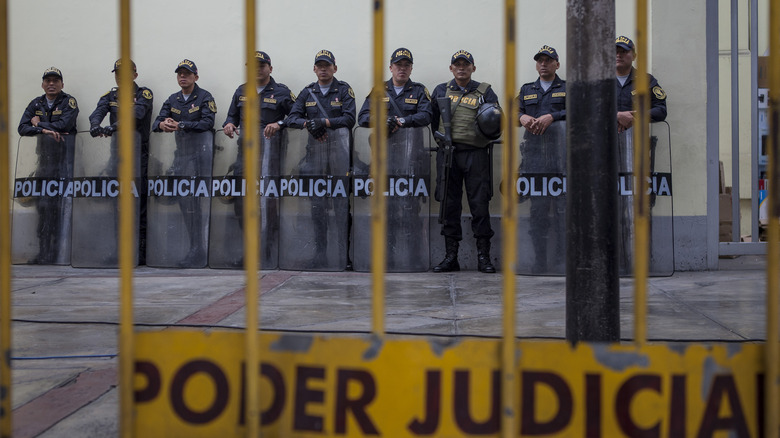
(464, 115)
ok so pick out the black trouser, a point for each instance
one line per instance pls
(470, 168)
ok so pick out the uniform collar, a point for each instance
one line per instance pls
(193, 95)
(555, 82)
(334, 86)
(389, 85)
(471, 86)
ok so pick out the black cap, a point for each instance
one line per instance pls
(325, 55)
(119, 62)
(624, 42)
(401, 53)
(189, 65)
(546, 50)
(52, 71)
(262, 57)
(462, 54)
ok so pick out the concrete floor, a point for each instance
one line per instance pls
(66, 320)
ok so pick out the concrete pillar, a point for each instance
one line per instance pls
(592, 281)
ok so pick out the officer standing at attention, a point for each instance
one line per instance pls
(276, 100)
(540, 103)
(470, 163)
(142, 108)
(335, 96)
(54, 115)
(409, 97)
(321, 107)
(187, 113)
(625, 54)
(544, 101)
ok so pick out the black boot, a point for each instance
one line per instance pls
(483, 257)
(450, 262)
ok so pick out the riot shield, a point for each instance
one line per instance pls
(96, 201)
(42, 208)
(314, 190)
(226, 237)
(660, 191)
(541, 191)
(407, 200)
(179, 192)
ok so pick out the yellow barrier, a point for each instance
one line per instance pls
(5, 233)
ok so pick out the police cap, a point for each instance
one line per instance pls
(187, 64)
(119, 62)
(262, 57)
(325, 55)
(546, 50)
(52, 71)
(624, 42)
(401, 54)
(462, 54)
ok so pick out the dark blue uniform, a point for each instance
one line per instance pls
(196, 114)
(276, 101)
(625, 95)
(142, 107)
(413, 101)
(339, 105)
(544, 154)
(61, 117)
(55, 160)
(536, 102)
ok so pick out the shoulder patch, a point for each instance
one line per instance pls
(427, 94)
(659, 92)
(292, 96)
(107, 93)
(351, 93)
(72, 103)
(147, 94)
(213, 106)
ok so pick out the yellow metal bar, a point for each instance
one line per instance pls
(5, 232)
(126, 224)
(251, 146)
(509, 420)
(641, 172)
(379, 170)
(772, 423)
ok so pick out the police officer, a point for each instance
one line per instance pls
(186, 113)
(275, 101)
(54, 116)
(625, 54)
(409, 103)
(142, 109)
(470, 163)
(321, 107)
(408, 106)
(541, 103)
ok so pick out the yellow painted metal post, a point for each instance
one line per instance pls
(509, 229)
(641, 172)
(251, 143)
(379, 170)
(126, 224)
(772, 423)
(5, 232)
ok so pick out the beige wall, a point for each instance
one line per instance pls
(81, 38)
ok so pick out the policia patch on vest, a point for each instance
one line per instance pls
(659, 92)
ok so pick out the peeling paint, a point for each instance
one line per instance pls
(618, 360)
(292, 344)
(438, 346)
(373, 350)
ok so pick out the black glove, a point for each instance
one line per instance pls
(95, 131)
(392, 123)
(316, 127)
(109, 130)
